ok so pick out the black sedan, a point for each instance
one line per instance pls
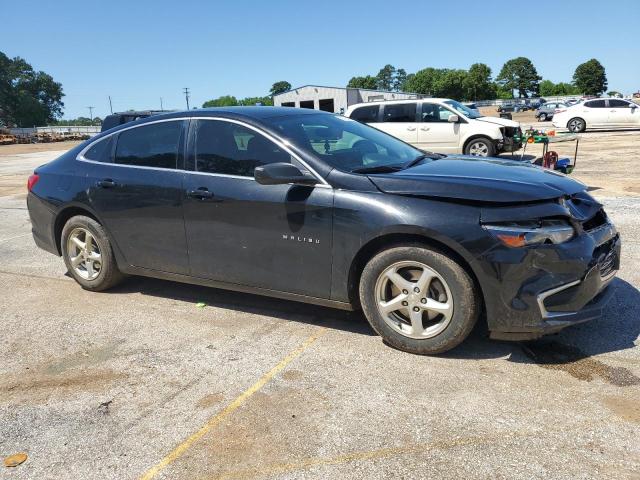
(315, 207)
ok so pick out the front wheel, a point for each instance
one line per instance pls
(418, 300)
(577, 125)
(480, 147)
(542, 117)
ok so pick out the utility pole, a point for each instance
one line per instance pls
(91, 113)
(161, 108)
(110, 106)
(186, 96)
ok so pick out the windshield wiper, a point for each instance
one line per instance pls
(378, 169)
(419, 158)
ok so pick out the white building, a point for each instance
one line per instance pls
(334, 99)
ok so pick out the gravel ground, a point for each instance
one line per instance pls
(109, 385)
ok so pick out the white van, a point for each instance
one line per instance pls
(440, 125)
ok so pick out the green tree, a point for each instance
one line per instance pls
(27, 97)
(590, 78)
(385, 77)
(547, 88)
(223, 101)
(477, 84)
(367, 82)
(438, 82)
(280, 87)
(614, 93)
(249, 101)
(424, 81)
(399, 80)
(520, 74)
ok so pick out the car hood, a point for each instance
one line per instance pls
(503, 122)
(484, 180)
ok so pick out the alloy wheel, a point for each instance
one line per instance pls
(575, 125)
(414, 300)
(479, 149)
(84, 253)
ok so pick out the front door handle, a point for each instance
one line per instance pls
(201, 193)
(411, 129)
(424, 129)
(106, 183)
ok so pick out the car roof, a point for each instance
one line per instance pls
(406, 100)
(248, 113)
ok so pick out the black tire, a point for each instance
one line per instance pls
(542, 117)
(466, 301)
(490, 147)
(577, 125)
(109, 274)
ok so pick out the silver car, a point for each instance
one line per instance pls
(545, 112)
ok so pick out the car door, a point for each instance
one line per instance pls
(276, 237)
(595, 113)
(138, 195)
(623, 113)
(435, 132)
(400, 120)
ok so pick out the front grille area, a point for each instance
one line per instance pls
(597, 221)
(607, 265)
(606, 258)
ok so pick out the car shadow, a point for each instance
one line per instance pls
(618, 329)
(352, 322)
(517, 157)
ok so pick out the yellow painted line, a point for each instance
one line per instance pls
(215, 420)
(367, 455)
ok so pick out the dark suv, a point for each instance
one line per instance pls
(315, 207)
(117, 119)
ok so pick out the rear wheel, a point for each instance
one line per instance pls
(419, 300)
(542, 117)
(88, 255)
(480, 147)
(577, 125)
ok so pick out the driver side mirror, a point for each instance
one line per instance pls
(453, 119)
(281, 174)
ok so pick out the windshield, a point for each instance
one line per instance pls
(466, 111)
(345, 144)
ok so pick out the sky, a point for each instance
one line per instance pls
(140, 51)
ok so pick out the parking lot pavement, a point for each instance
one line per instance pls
(139, 382)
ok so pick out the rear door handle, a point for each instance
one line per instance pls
(106, 183)
(201, 193)
(424, 129)
(411, 129)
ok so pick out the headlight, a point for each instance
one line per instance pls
(532, 233)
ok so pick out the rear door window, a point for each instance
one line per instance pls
(615, 103)
(101, 150)
(399, 112)
(368, 114)
(154, 145)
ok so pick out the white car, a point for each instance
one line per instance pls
(440, 125)
(598, 113)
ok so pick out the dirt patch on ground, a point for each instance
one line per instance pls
(557, 356)
(625, 408)
(36, 147)
(38, 387)
(210, 400)
(13, 185)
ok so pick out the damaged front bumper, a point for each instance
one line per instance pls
(541, 290)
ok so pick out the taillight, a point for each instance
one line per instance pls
(33, 179)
